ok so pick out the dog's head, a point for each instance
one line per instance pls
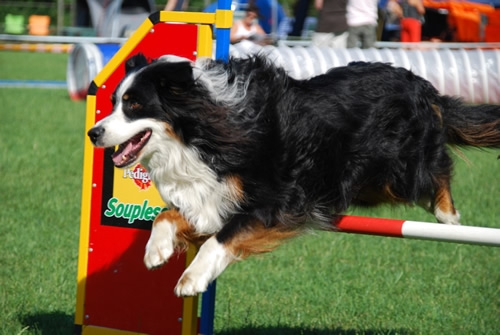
(149, 106)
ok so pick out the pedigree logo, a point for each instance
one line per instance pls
(139, 175)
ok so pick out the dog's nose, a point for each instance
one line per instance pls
(95, 133)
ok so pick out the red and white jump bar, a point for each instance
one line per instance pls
(418, 230)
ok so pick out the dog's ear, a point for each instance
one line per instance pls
(135, 63)
(175, 77)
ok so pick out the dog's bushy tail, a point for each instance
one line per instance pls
(471, 125)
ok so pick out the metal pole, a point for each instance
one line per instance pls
(418, 230)
(60, 16)
(222, 35)
(208, 297)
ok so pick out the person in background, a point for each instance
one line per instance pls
(411, 13)
(390, 12)
(331, 30)
(362, 16)
(83, 14)
(176, 5)
(248, 29)
(300, 10)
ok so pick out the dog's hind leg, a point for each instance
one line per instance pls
(243, 236)
(443, 206)
(170, 231)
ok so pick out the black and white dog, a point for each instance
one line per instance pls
(246, 157)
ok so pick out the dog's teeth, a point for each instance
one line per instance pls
(124, 158)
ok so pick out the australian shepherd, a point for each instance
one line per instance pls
(246, 156)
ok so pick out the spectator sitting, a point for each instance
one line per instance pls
(248, 30)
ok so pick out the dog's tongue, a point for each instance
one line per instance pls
(123, 153)
(127, 152)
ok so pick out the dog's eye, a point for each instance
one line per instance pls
(113, 99)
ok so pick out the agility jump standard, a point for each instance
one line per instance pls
(115, 292)
(417, 230)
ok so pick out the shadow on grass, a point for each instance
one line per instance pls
(300, 331)
(53, 323)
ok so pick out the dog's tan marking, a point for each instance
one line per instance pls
(437, 111)
(443, 200)
(444, 209)
(258, 239)
(125, 97)
(236, 188)
(185, 233)
(170, 131)
(165, 215)
(135, 105)
(479, 135)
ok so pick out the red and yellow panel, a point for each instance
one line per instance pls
(116, 294)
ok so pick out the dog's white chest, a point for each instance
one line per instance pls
(191, 186)
(200, 204)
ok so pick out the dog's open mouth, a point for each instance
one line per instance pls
(128, 151)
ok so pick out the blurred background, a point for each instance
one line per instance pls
(457, 21)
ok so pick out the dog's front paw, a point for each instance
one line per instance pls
(160, 245)
(191, 284)
(158, 251)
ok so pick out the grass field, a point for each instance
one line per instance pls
(323, 283)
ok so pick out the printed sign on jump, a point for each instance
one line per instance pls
(130, 199)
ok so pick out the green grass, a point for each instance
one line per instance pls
(34, 66)
(41, 150)
(323, 283)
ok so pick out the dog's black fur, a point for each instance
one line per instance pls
(305, 150)
(320, 143)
